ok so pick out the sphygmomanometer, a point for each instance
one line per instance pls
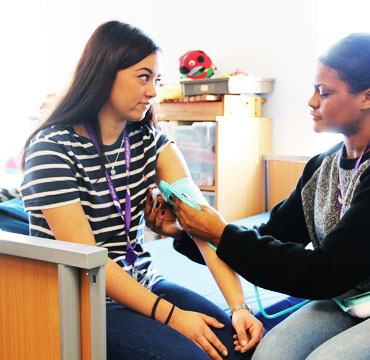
(187, 191)
(179, 188)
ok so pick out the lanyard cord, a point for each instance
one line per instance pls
(131, 255)
(357, 165)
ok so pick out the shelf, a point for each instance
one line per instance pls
(207, 187)
(223, 143)
(203, 110)
(194, 98)
(192, 118)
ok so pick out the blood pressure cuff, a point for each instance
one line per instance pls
(186, 246)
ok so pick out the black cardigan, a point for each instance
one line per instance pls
(274, 255)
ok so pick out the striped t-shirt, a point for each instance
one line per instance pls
(63, 168)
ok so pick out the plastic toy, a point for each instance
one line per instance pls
(237, 72)
(169, 91)
(196, 64)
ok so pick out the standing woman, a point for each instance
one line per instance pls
(87, 173)
(330, 207)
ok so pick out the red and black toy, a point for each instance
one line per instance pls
(196, 64)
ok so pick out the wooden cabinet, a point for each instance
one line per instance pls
(222, 139)
(282, 173)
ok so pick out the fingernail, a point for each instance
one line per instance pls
(243, 342)
(170, 197)
(157, 204)
(151, 198)
(224, 353)
(163, 211)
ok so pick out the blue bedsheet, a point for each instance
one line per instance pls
(174, 266)
(13, 218)
(177, 268)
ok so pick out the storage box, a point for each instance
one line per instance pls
(229, 85)
(196, 142)
(210, 197)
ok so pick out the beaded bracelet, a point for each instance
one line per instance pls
(155, 305)
(170, 314)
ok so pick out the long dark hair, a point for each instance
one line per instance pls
(112, 47)
(350, 57)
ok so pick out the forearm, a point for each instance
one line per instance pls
(122, 288)
(227, 280)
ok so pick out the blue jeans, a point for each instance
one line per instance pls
(275, 308)
(133, 336)
(319, 330)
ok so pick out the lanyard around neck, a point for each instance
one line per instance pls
(357, 165)
(131, 255)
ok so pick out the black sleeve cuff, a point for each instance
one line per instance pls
(186, 246)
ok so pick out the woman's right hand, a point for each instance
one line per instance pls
(196, 327)
(207, 224)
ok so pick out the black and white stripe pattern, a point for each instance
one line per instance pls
(64, 168)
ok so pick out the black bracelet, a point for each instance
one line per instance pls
(169, 315)
(155, 305)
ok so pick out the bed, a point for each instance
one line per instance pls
(176, 267)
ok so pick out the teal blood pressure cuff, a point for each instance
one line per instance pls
(186, 246)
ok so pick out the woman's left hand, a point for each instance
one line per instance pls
(249, 330)
(159, 217)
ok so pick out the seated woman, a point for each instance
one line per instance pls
(329, 207)
(87, 173)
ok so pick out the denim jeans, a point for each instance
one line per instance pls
(275, 308)
(133, 336)
(319, 330)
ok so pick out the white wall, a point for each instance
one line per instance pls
(22, 80)
(268, 38)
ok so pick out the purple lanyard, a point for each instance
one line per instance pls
(357, 165)
(131, 255)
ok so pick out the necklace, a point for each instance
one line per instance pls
(113, 170)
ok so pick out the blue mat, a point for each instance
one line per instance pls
(13, 218)
(179, 269)
(176, 267)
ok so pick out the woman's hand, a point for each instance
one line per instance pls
(207, 224)
(196, 327)
(160, 218)
(249, 330)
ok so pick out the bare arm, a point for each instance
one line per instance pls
(229, 283)
(172, 167)
(69, 223)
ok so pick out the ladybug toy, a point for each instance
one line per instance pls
(196, 64)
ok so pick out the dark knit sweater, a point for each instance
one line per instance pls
(274, 255)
